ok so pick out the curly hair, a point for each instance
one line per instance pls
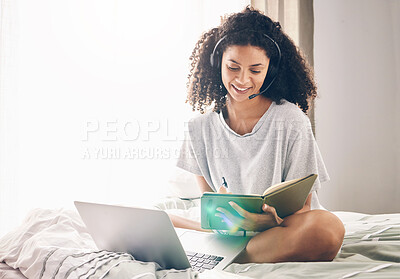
(294, 79)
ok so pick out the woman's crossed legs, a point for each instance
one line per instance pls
(315, 235)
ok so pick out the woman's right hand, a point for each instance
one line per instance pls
(250, 221)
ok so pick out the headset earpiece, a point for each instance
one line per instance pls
(215, 57)
(271, 73)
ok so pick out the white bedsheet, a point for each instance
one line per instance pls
(55, 244)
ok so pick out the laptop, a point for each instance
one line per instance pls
(149, 236)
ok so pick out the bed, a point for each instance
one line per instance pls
(55, 244)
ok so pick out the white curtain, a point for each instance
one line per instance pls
(297, 20)
(92, 98)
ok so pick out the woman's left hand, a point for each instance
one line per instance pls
(251, 221)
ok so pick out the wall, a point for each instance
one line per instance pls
(357, 69)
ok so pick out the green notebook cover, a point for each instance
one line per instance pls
(287, 198)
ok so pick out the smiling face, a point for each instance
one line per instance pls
(243, 70)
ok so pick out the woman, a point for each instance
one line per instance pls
(258, 134)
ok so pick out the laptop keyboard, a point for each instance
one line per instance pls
(201, 262)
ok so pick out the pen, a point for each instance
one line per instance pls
(224, 183)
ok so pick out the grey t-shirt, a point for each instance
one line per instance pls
(281, 147)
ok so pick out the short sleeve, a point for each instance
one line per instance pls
(304, 158)
(187, 158)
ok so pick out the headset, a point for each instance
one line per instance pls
(273, 68)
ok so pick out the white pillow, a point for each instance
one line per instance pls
(183, 184)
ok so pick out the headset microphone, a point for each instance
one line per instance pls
(255, 95)
(264, 90)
